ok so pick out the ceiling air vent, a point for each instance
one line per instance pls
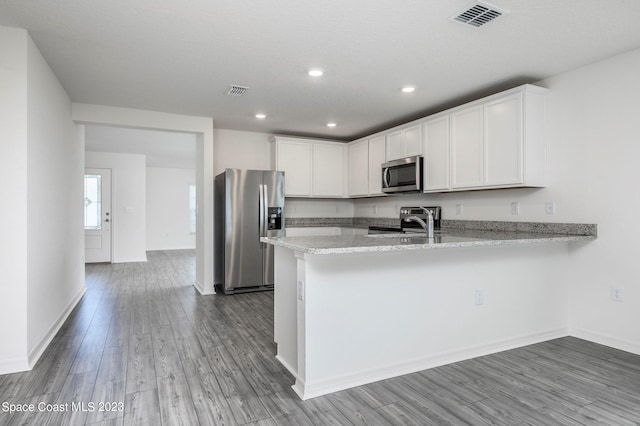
(235, 90)
(478, 14)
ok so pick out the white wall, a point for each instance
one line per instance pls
(168, 208)
(55, 243)
(234, 149)
(41, 158)
(13, 193)
(128, 203)
(593, 126)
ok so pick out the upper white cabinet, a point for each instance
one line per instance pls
(365, 172)
(503, 141)
(376, 158)
(329, 177)
(495, 142)
(311, 168)
(359, 168)
(466, 147)
(404, 143)
(436, 153)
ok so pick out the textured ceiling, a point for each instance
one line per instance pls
(180, 57)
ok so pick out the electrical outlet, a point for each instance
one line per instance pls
(616, 294)
(375, 209)
(301, 291)
(550, 207)
(459, 209)
(479, 297)
(515, 208)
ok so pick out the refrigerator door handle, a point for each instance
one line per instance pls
(262, 192)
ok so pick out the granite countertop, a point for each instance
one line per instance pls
(449, 238)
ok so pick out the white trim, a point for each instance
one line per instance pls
(613, 342)
(288, 367)
(202, 289)
(39, 349)
(335, 384)
(15, 365)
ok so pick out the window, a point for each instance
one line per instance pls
(92, 202)
(192, 209)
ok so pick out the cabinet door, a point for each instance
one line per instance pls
(376, 158)
(359, 168)
(294, 159)
(412, 141)
(395, 145)
(328, 176)
(467, 148)
(503, 141)
(436, 154)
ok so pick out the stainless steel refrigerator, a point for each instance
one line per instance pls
(249, 204)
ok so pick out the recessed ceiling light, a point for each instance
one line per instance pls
(331, 124)
(408, 89)
(261, 116)
(315, 72)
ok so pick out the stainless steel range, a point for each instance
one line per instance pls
(405, 225)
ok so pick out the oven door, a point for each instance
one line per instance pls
(403, 175)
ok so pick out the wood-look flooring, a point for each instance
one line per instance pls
(144, 339)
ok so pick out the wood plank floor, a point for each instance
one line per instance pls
(144, 340)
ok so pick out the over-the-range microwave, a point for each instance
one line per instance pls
(403, 175)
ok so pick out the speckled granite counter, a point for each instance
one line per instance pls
(449, 238)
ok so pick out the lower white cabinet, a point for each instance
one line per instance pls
(311, 168)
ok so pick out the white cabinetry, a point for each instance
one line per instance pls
(503, 141)
(359, 168)
(404, 143)
(376, 158)
(329, 177)
(311, 168)
(466, 147)
(436, 153)
(495, 142)
(365, 159)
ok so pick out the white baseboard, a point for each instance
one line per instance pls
(613, 342)
(202, 290)
(286, 365)
(39, 349)
(8, 366)
(318, 388)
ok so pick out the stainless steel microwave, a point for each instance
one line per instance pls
(403, 175)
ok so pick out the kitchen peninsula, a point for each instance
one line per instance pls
(354, 309)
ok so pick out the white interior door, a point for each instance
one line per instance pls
(97, 215)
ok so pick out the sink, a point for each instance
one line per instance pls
(404, 235)
(390, 235)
